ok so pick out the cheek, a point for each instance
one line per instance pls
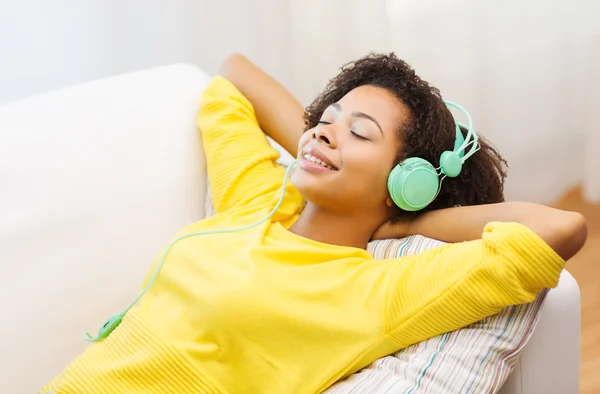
(304, 139)
(371, 170)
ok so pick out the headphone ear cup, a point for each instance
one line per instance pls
(413, 184)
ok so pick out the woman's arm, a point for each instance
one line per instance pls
(565, 232)
(240, 162)
(279, 114)
(457, 284)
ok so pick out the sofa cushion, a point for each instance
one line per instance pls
(475, 359)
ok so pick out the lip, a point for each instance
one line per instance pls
(319, 155)
(312, 167)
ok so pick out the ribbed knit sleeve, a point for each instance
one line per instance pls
(458, 284)
(241, 163)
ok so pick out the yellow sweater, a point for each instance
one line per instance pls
(267, 311)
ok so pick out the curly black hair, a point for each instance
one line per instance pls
(429, 130)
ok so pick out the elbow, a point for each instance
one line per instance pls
(573, 229)
(579, 231)
(232, 64)
(236, 57)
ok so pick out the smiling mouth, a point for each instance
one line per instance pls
(312, 159)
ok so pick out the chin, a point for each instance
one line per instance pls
(317, 190)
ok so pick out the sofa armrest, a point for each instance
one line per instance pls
(549, 363)
(95, 180)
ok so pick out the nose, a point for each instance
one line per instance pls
(325, 134)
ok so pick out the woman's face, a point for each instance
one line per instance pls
(344, 162)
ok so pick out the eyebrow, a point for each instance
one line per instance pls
(356, 114)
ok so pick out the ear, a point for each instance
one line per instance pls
(389, 202)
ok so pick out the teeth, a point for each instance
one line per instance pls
(313, 159)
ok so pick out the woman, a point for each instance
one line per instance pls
(295, 303)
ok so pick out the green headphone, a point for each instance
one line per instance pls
(415, 183)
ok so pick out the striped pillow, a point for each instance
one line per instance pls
(475, 359)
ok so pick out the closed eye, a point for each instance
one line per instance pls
(360, 137)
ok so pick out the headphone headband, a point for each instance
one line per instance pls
(471, 137)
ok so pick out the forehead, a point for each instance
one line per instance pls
(377, 102)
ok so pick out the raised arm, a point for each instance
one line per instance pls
(240, 161)
(278, 113)
(452, 286)
(565, 232)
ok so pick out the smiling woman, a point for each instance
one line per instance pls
(290, 301)
(424, 128)
(361, 126)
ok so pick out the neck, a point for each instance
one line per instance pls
(333, 228)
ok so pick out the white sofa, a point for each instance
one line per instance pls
(94, 179)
